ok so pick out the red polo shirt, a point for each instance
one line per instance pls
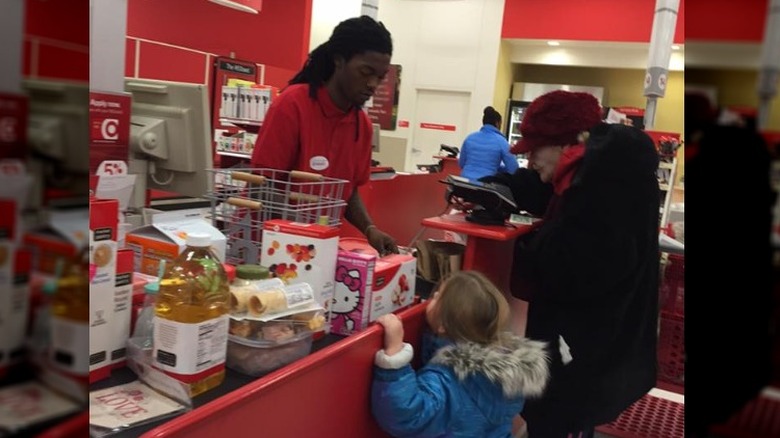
(301, 133)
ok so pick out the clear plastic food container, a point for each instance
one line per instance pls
(257, 347)
(256, 358)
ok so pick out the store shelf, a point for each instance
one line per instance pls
(240, 122)
(235, 154)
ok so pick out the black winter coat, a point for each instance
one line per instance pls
(590, 273)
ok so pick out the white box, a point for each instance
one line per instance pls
(368, 287)
(263, 101)
(231, 106)
(302, 253)
(166, 237)
(103, 228)
(245, 95)
(15, 266)
(394, 283)
(123, 304)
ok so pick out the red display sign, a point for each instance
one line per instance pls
(437, 126)
(403, 123)
(385, 103)
(225, 69)
(13, 126)
(109, 128)
(629, 110)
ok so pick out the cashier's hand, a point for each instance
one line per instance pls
(394, 333)
(381, 241)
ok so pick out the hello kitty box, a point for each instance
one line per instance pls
(368, 287)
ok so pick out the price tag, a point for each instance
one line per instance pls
(112, 168)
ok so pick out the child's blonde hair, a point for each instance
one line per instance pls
(471, 308)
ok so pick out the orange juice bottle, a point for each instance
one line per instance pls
(69, 324)
(191, 317)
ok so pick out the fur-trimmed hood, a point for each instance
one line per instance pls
(519, 366)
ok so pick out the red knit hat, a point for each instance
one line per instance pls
(556, 119)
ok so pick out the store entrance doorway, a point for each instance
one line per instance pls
(441, 118)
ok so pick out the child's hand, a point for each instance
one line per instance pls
(394, 333)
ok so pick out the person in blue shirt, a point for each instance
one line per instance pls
(486, 152)
(476, 375)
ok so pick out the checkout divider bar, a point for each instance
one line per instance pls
(324, 394)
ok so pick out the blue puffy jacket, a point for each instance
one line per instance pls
(483, 153)
(465, 390)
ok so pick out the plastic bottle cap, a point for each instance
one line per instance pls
(252, 272)
(49, 287)
(198, 239)
(152, 288)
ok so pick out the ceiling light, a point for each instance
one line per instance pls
(675, 47)
(553, 43)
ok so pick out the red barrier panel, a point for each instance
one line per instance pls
(325, 394)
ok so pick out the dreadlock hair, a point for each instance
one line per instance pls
(351, 37)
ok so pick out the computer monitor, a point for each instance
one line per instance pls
(58, 124)
(170, 139)
(58, 138)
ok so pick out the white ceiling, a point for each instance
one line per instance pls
(633, 55)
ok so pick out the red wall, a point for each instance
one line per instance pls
(726, 20)
(56, 39)
(591, 20)
(278, 36)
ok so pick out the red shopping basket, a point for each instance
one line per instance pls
(671, 349)
(672, 287)
(759, 418)
(650, 417)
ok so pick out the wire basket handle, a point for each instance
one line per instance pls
(306, 175)
(248, 177)
(303, 197)
(246, 203)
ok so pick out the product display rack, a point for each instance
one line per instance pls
(667, 188)
(667, 145)
(249, 125)
(243, 155)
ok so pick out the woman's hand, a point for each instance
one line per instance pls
(394, 333)
(459, 204)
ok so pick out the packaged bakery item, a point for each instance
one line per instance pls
(241, 291)
(191, 317)
(274, 301)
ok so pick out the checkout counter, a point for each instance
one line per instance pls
(398, 202)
